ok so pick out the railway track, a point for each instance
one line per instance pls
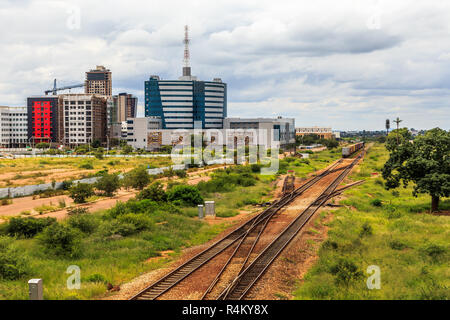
(255, 224)
(245, 280)
(288, 184)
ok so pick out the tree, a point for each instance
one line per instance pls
(43, 145)
(388, 126)
(396, 137)
(80, 192)
(109, 184)
(185, 195)
(96, 143)
(127, 149)
(154, 192)
(425, 162)
(137, 178)
(61, 240)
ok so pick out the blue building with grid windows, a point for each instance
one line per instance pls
(182, 103)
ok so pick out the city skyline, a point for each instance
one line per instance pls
(348, 67)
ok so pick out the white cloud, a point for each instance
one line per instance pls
(349, 64)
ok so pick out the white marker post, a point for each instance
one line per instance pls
(36, 289)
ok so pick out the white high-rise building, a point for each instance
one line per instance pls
(13, 127)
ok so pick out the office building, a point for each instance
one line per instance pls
(13, 127)
(45, 120)
(144, 133)
(186, 103)
(268, 132)
(99, 81)
(121, 107)
(84, 119)
(321, 132)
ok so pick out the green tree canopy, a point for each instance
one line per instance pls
(108, 183)
(425, 162)
(79, 192)
(137, 178)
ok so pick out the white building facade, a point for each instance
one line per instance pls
(13, 127)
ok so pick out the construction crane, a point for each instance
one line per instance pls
(55, 89)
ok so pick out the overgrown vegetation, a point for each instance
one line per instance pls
(410, 247)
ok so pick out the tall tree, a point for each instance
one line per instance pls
(425, 162)
(388, 126)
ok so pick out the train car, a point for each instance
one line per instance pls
(348, 151)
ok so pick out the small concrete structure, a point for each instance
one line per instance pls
(210, 210)
(36, 289)
(200, 211)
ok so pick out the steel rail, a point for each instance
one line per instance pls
(247, 278)
(170, 280)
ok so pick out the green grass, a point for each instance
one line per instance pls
(117, 260)
(409, 245)
(317, 161)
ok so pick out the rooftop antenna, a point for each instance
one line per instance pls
(186, 66)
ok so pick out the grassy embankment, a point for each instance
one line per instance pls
(390, 229)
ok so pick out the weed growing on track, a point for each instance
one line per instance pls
(397, 234)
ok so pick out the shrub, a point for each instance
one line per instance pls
(154, 192)
(61, 203)
(66, 185)
(329, 244)
(168, 173)
(109, 184)
(60, 240)
(117, 227)
(80, 192)
(86, 223)
(5, 201)
(181, 173)
(96, 277)
(137, 178)
(98, 154)
(345, 271)
(13, 264)
(434, 251)
(397, 245)
(27, 227)
(86, 165)
(366, 230)
(185, 195)
(127, 149)
(139, 221)
(376, 203)
(77, 211)
(255, 167)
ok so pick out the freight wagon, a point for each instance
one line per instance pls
(348, 151)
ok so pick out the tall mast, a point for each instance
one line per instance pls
(186, 65)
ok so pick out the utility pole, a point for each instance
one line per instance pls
(397, 121)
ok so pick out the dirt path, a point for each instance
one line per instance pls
(28, 204)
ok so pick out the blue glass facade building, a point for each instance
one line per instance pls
(181, 103)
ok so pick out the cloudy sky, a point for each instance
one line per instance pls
(345, 64)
